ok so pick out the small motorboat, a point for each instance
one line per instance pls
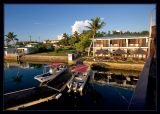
(55, 69)
(80, 75)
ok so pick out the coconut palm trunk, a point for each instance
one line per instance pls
(92, 43)
(90, 48)
(94, 25)
(15, 47)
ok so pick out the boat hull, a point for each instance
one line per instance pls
(42, 79)
(73, 85)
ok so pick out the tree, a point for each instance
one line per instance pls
(101, 34)
(109, 33)
(65, 41)
(75, 38)
(94, 25)
(10, 37)
(20, 44)
(83, 44)
(145, 32)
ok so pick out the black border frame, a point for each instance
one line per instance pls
(84, 2)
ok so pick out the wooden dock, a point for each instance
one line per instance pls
(35, 95)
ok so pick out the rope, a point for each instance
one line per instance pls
(131, 99)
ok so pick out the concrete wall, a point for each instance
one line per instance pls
(35, 58)
(46, 58)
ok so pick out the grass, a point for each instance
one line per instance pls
(116, 65)
(114, 61)
(60, 53)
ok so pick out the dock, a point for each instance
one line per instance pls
(35, 95)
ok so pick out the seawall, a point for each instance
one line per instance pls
(35, 58)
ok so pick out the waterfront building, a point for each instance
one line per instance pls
(53, 42)
(129, 44)
(22, 50)
(31, 44)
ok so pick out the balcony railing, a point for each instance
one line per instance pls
(121, 45)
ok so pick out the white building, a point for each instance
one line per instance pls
(125, 43)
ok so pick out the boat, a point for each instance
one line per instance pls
(80, 75)
(55, 69)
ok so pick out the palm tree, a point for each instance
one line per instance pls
(11, 37)
(94, 25)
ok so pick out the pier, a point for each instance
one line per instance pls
(35, 95)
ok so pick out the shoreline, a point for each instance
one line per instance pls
(35, 58)
(121, 66)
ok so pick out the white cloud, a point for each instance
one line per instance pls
(79, 26)
(60, 37)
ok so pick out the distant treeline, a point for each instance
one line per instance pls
(114, 32)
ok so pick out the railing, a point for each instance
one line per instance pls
(139, 99)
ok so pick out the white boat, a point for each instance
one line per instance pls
(55, 69)
(79, 78)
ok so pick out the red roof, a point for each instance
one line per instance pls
(80, 68)
(55, 64)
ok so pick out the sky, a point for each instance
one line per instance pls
(48, 21)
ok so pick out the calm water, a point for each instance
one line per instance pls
(97, 95)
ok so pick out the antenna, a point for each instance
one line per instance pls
(39, 38)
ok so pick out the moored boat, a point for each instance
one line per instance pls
(55, 69)
(80, 75)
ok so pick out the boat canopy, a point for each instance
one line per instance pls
(80, 68)
(55, 64)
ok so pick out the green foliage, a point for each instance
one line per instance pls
(64, 42)
(114, 32)
(95, 25)
(75, 38)
(84, 43)
(50, 48)
(42, 48)
(10, 37)
(145, 32)
(36, 66)
(101, 34)
(21, 44)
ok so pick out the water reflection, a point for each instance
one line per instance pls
(117, 80)
(23, 65)
(19, 76)
(98, 94)
(104, 68)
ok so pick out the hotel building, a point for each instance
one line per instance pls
(126, 43)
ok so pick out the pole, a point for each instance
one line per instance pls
(39, 39)
(151, 24)
(30, 38)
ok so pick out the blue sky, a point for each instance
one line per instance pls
(46, 21)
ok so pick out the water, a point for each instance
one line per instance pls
(97, 95)
(27, 79)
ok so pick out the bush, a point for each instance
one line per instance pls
(42, 48)
(50, 48)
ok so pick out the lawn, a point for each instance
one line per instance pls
(114, 61)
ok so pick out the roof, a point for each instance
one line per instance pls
(120, 36)
(55, 64)
(101, 51)
(119, 52)
(80, 68)
(139, 51)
